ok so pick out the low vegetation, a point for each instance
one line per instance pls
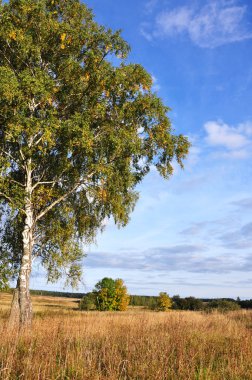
(137, 344)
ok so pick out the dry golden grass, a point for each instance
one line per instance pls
(128, 345)
(42, 304)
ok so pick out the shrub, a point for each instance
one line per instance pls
(223, 305)
(88, 302)
(188, 303)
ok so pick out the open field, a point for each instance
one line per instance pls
(68, 344)
(42, 304)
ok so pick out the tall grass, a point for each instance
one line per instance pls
(129, 345)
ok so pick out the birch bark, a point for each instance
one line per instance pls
(21, 310)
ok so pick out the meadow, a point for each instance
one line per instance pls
(137, 344)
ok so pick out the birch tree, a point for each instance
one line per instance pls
(79, 129)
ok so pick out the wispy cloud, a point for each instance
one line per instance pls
(245, 203)
(150, 5)
(189, 258)
(215, 24)
(238, 239)
(195, 229)
(236, 142)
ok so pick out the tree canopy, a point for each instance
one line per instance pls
(79, 128)
(108, 295)
(164, 302)
(111, 295)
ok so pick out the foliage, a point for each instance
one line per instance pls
(164, 302)
(223, 305)
(245, 304)
(111, 295)
(149, 302)
(121, 295)
(52, 293)
(4, 275)
(80, 124)
(188, 303)
(88, 302)
(10, 239)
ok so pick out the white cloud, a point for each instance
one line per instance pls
(175, 21)
(150, 5)
(246, 128)
(219, 133)
(215, 24)
(193, 258)
(155, 85)
(235, 140)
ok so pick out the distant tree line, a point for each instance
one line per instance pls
(192, 303)
(245, 304)
(50, 293)
(151, 302)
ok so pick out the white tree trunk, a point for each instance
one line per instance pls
(21, 311)
(25, 269)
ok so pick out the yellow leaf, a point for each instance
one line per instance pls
(85, 77)
(146, 88)
(63, 37)
(102, 194)
(13, 35)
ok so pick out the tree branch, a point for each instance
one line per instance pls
(57, 201)
(17, 183)
(6, 197)
(44, 183)
(9, 155)
(62, 198)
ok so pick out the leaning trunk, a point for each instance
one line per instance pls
(21, 311)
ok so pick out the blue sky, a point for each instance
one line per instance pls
(191, 235)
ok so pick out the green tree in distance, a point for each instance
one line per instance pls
(78, 132)
(111, 295)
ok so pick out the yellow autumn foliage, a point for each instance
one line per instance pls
(63, 37)
(13, 35)
(164, 302)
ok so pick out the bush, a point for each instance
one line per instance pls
(188, 303)
(222, 306)
(88, 302)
